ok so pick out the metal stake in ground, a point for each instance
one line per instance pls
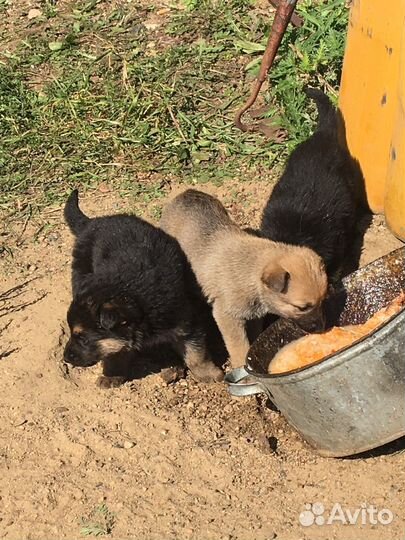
(282, 17)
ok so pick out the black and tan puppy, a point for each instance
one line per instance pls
(317, 200)
(132, 288)
(242, 275)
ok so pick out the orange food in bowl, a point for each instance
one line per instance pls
(314, 347)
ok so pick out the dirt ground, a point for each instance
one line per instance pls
(178, 461)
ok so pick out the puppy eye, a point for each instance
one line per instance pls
(82, 339)
(305, 308)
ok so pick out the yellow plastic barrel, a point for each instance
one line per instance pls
(372, 100)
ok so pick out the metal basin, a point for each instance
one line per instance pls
(351, 401)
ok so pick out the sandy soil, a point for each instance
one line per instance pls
(178, 461)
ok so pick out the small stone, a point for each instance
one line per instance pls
(53, 237)
(151, 25)
(34, 13)
(103, 188)
(61, 409)
(128, 444)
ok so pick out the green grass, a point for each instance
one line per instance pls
(100, 523)
(94, 96)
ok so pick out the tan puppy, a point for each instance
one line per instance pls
(244, 276)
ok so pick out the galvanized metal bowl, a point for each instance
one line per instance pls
(353, 400)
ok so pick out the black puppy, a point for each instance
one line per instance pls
(318, 198)
(132, 289)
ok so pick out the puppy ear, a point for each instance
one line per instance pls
(276, 278)
(109, 316)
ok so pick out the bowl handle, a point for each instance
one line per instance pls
(241, 383)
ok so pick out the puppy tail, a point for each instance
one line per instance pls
(327, 115)
(74, 217)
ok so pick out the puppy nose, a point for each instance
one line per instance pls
(68, 356)
(313, 324)
(316, 326)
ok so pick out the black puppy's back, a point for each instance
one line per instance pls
(314, 204)
(127, 253)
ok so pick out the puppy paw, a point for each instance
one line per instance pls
(110, 382)
(172, 374)
(208, 374)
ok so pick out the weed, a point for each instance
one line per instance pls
(100, 522)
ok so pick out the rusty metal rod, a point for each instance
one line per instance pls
(296, 20)
(282, 17)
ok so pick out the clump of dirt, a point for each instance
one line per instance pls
(167, 459)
